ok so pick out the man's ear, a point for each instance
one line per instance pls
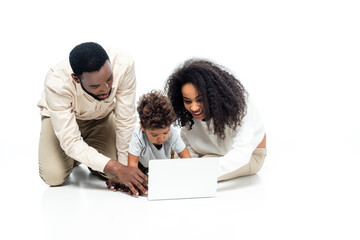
(75, 78)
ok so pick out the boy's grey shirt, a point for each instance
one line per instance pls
(141, 146)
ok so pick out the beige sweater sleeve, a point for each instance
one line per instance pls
(125, 113)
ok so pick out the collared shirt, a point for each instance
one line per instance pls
(64, 101)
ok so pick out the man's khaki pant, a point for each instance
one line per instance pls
(254, 165)
(55, 166)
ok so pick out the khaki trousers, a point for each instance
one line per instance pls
(254, 165)
(55, 166)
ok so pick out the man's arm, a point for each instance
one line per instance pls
(125, 112)
(125, 120)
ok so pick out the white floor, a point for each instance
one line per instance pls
(292, 197)
(298, 59)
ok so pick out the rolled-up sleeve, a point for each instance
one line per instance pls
(125, 112)
(60, 98)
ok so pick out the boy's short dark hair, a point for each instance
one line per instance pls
(87, 57)
(155, 110)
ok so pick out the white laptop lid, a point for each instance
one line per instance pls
(182, 178)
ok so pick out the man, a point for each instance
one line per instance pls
(88, 115)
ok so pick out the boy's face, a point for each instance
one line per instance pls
(157, 136)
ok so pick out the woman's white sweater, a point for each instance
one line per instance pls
(236, 148)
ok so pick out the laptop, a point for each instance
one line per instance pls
(182, 178)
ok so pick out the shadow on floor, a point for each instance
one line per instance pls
(241, 182)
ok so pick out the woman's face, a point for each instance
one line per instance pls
(193, 101)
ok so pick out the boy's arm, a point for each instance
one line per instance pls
(133, 160)
(185, 153)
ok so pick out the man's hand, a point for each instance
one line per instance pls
(115, 182)
(131, 177)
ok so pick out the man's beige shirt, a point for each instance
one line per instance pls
(64, 101)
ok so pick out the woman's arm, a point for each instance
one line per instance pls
(263, 143)
(192, 152)
(249, 136)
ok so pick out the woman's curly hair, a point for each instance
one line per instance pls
(223, 96)
(155, 110)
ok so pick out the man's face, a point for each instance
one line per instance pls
(97, 84)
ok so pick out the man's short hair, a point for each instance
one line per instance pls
(87, 57)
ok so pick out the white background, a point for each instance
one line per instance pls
(298, 59)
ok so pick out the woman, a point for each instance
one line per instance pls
(217, 117)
